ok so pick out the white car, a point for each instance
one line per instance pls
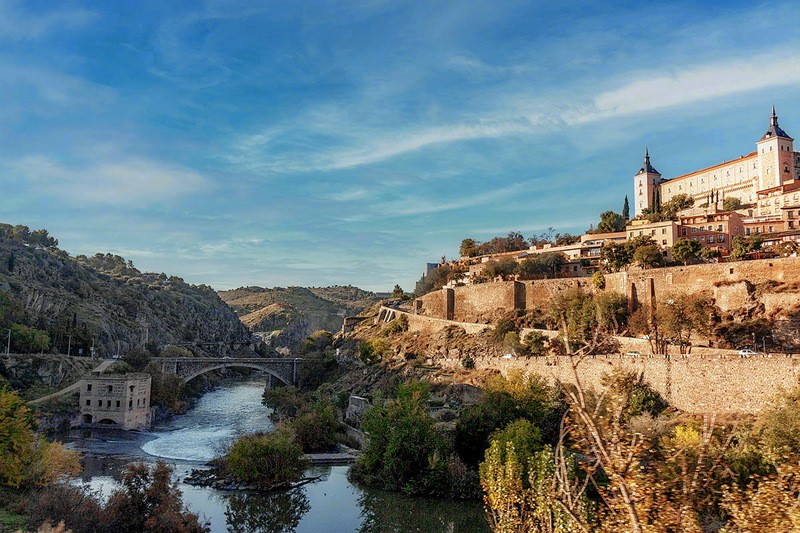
(747, 352)
(634, 353)
(508, 356)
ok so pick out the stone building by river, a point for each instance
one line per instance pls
(114, 400)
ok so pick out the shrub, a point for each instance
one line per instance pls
(598, 280)
(397, 325)
(316, 429)
(372, 351)
(468, 363)
(535, 343)
(266, 459)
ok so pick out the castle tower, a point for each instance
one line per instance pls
(645, 185)
(775, 156)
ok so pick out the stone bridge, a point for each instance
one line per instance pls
(283, 369)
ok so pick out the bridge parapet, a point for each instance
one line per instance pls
(285, 369)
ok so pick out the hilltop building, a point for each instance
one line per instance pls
(767, 178)
(116, 401)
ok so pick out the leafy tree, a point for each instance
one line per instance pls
(435, 279)
(316, 429)
(535, 343)
(742, 245)
(149, 501)
(731, 203)
(26, 339)
(610, 222)
(502, 268)
(708, 254)
(598, 280)
(648, 256)
(686, 250)
(266, 459)
(586, 323)
(786, 248)
(616, 256)
(139, 359)
(402, 440)
(398, 293)
(469, 248)
(563, 239)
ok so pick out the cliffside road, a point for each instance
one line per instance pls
(72, 388)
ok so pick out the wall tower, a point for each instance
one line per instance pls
(775, 156)
(645, 185)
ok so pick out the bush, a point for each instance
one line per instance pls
(372, 351)
(176, 351)
(397, 325)
(535, 343)
(316, 429)
(598, 280)
(266, 459)
(468, 363)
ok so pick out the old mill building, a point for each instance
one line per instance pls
(766, 178)
(116, 401)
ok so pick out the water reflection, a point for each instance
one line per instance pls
(387, 512)
(276, 512)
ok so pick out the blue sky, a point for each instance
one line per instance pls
(314, 143)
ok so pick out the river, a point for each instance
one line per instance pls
(331, 505)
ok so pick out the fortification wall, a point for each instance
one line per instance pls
(426, 324)
(693, 384)
(727, 281)
(538, 292)
(481, 303)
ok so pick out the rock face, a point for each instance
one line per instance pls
(284, 317)
(106, 300)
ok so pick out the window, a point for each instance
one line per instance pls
(111, 388)
(117, 404)
(130, 404)
(747, 231)
(108, 403)
(88, 403)
(99, 403)
(694, 230)
(664, 242)
(721, 238)
(663, 231)
(88, 387)
(719, 227)
(702, 238)
(683, 231)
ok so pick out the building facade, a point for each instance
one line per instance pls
(116, 401)
(766, 177)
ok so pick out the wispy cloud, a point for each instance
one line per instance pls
(18, 24)
(655, 91)
(419, 206)
(126, 182)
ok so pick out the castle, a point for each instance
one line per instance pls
(766, 178)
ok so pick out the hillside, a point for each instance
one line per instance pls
(288, 315)
(55, 302)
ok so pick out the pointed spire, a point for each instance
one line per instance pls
(774, 120)
(774, 130)
(646, 156)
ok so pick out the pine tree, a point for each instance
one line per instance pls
(626, 209)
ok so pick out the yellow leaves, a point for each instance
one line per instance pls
(768, 504)
(54, 462)
(686, 437)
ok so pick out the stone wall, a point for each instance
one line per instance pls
(693, 384)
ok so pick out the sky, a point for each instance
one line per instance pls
(278, 143)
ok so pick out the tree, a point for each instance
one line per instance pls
(547, 264)
(398, 293)
(402, 439)
(610, 222)
(731, 203)
(686, 250)
(741, 246)
(648, 256)
(469, 248)
(786, 248)
(149, 501)
(709, 254)
(563, 239)
(266, 459)
(503, 268)
(616, 256)
(626, 209)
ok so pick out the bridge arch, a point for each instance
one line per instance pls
(231, 364)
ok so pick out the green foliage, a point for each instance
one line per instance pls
(166, 389)
(648, 256)
(468, 248)
(266, 459)
(316, 429)
(285, 402)
(468, 363)
(176, 351)
(526, 439)
(708, 254)
(372, 351)
(506, 400)
(669, 210)
(138, 359)
(149, 501)
(641, 397)
(586, 322)
(504, 326)
(731, 203)
(741, 246)
(26, 339)
(503, 268)
(535, 344)
(547, 264)
(398, 325)
(25, 459)
(610, 222)
(777, 427)
(405, 451)
(686, 250)
(434, 280)
(598, 280)
(398, 293)
(563, 239)
(23, 234)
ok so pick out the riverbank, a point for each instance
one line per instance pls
(330, 503)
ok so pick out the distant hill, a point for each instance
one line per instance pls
(69, 302)
(286, 316)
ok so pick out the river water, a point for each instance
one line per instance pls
(332, 504)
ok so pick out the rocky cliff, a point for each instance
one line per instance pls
(286, 316)
(105, 300)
